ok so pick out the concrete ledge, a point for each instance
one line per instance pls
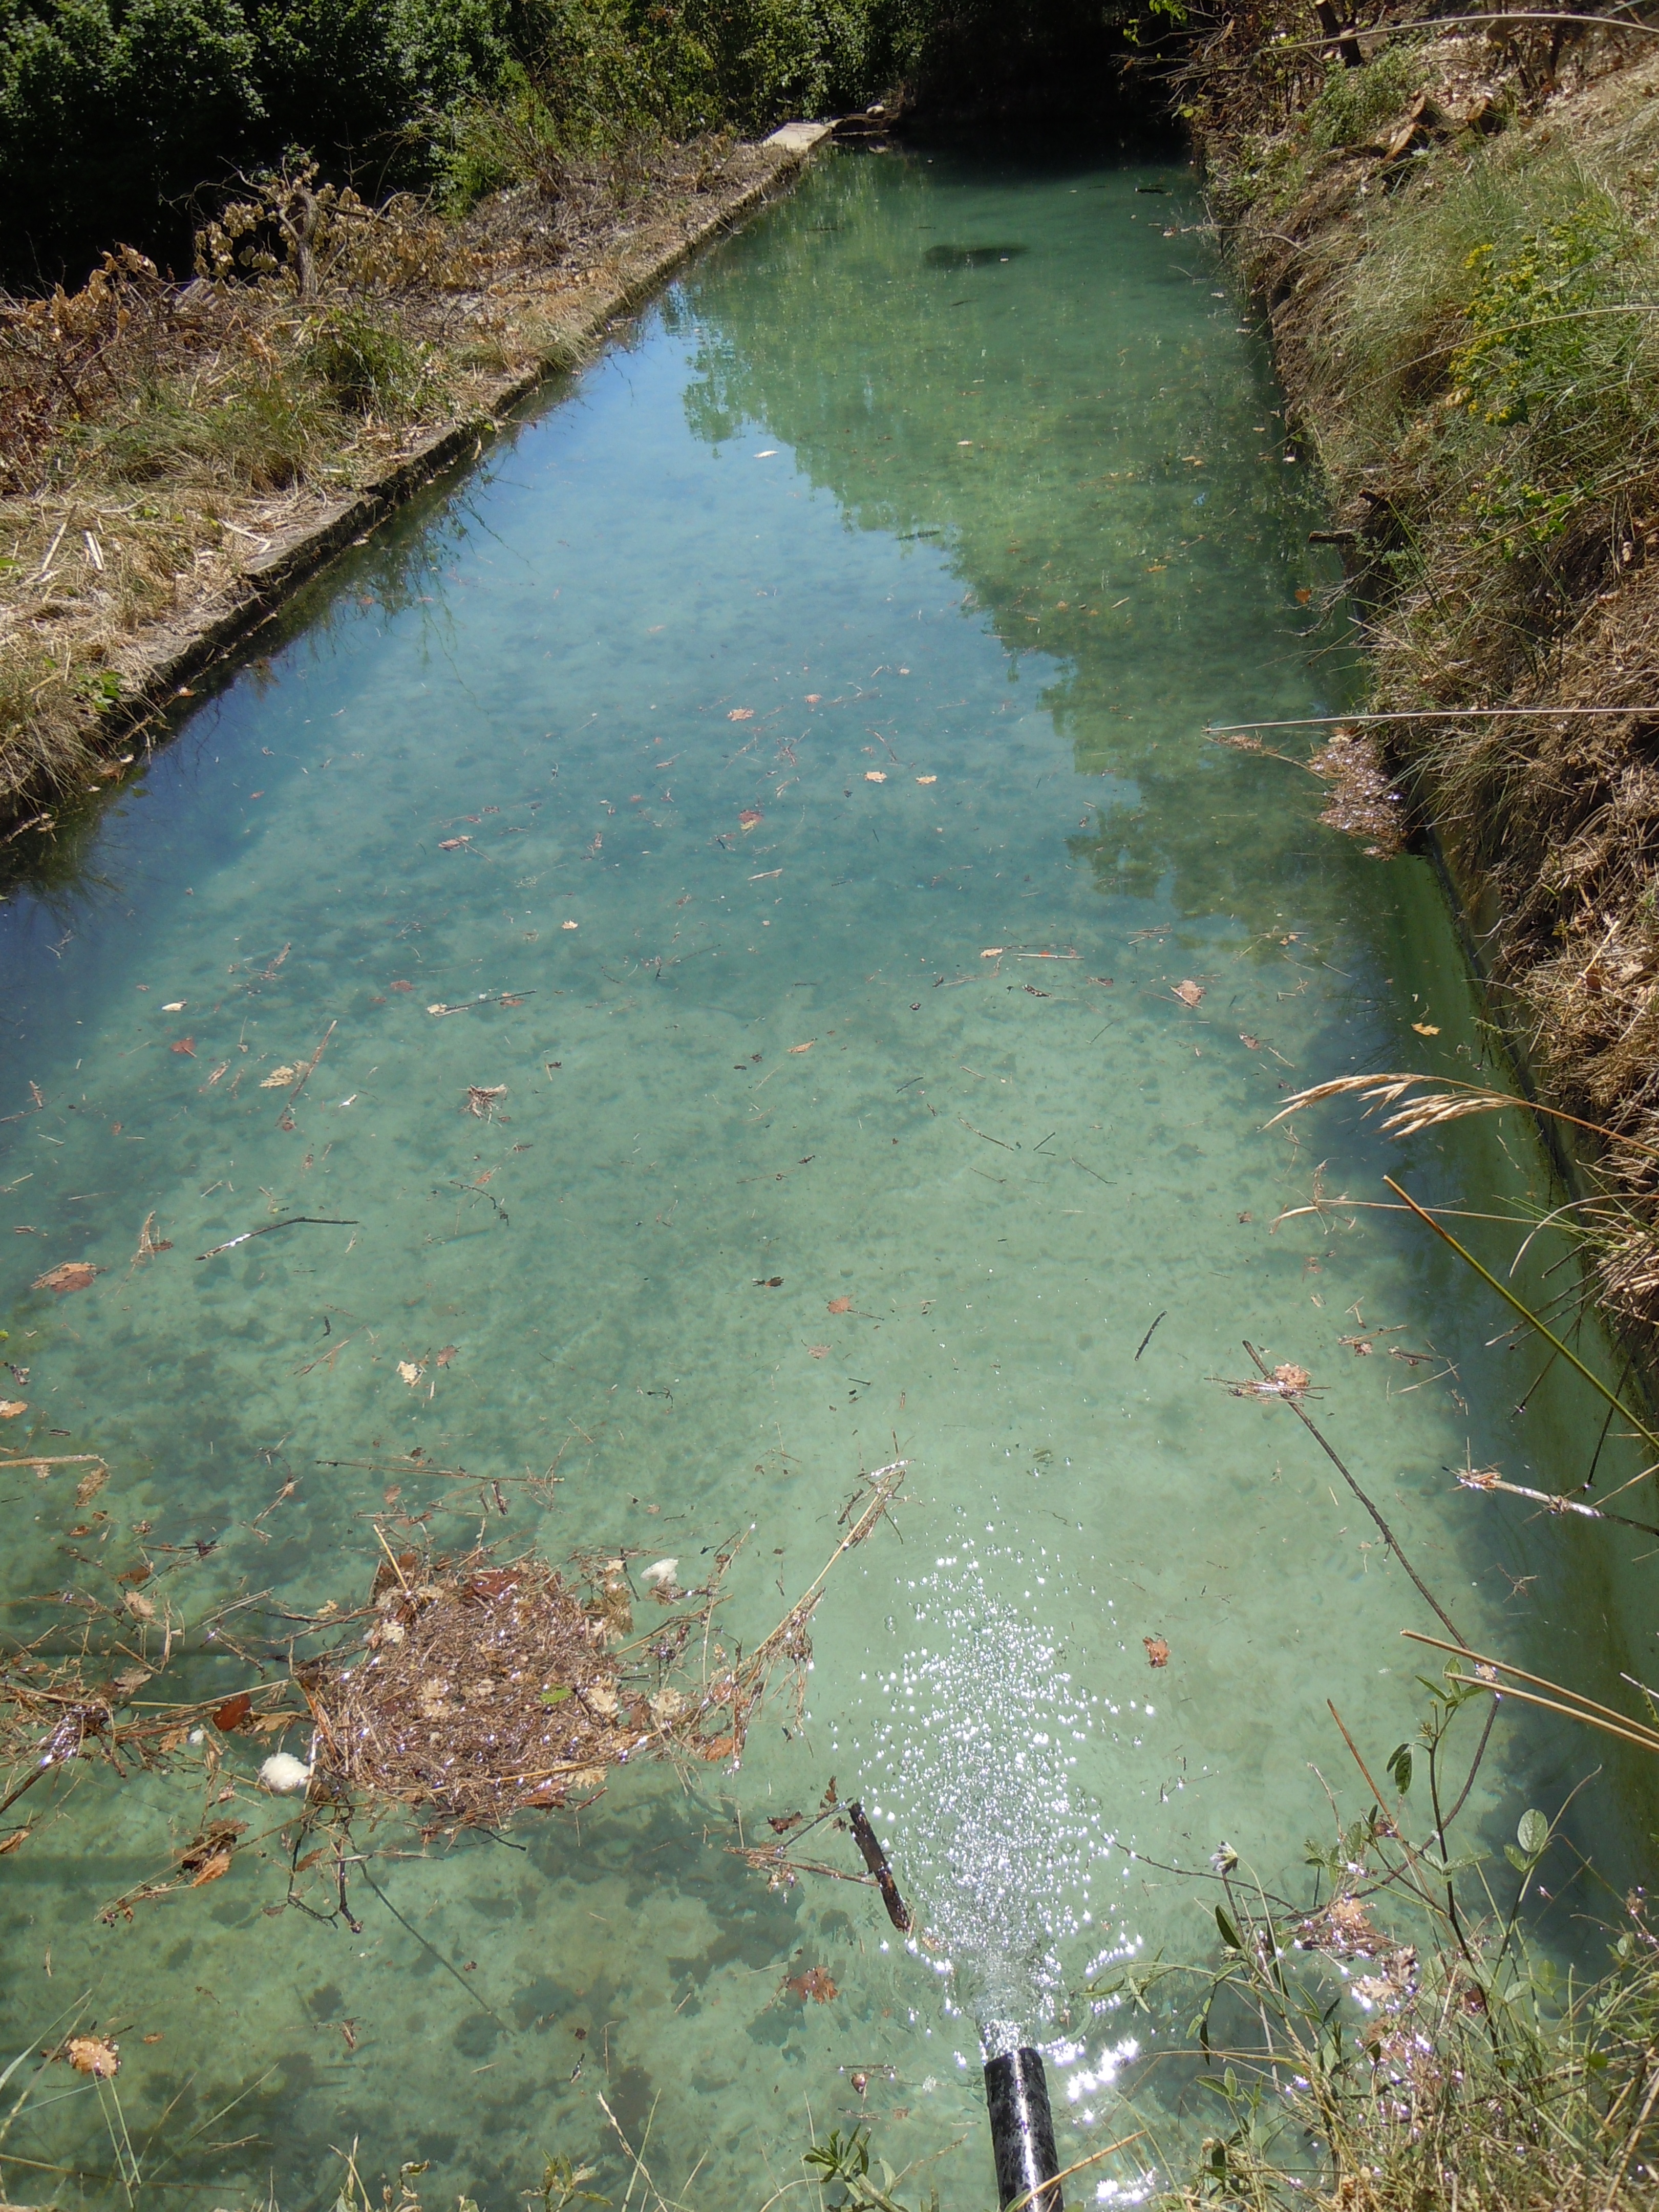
(799, 137)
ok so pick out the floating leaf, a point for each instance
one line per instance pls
(68, 1275)
(875, 775)
(93, 2054)
(174, 1007)
(926, 779)
(570, 924)
(1427, 1029)
(807, 1047)
(741, 714)
(817, 1352)
(410, 1373)
(400, 986)
(138, 1606)
(185, 1045)
(279, 1079)
(211, 1868)
(750, 816)
(452, 844)
(11, 1407)
(841, 1305)
(815, 1983)
(992, 952)
(1188, 993)
(234, 1713)
(446, 1355)
(1157, 1651)
(780, 1824)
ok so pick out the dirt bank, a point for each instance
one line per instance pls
(174, 458)
(1450, 226)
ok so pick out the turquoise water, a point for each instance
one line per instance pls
(776, 775)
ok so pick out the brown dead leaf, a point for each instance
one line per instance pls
(92, 2054)
(89, 1486)
(807, 1047)
(992, 952)
(875, 775)
(815, 1983)
(841, 1305)
(138, 1604)
(1254, 1043)
(279, 1079)
(1304, 596)
(926, 779)
(68, 1275)
(210, 1869)
(400, 986)
(446, 1355)
(410, 1373)
(234, 1713)
(1157, 1651)
(741, 714)
(817, 1352)
(452, 844)
(750, 816)
(11, 1407)
(1427, 1029)
(186, 1046)
(1188, 993)
(781, 1823)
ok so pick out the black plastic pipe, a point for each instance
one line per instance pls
(1022, 2130)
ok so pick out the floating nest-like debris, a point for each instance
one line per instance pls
(1363, 802)
(480, 1686)
(483, 1687)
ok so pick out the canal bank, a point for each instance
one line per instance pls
(1448, 230)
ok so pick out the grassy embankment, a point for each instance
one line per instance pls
(260, 249)
(1455, 241)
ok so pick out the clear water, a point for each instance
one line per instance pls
(782, 757)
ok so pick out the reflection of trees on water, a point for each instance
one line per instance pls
(1078, 433)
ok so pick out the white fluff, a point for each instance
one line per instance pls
(662, 1573)
(285, 1775)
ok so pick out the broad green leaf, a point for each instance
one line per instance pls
(1533, 1833)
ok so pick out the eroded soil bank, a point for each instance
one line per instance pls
(1450, 227)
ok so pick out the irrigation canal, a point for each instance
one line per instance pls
(798, 987)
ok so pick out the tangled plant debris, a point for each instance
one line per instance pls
(464, 1688)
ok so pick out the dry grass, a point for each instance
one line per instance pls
(157, 440)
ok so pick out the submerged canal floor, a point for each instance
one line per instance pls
(798, 989)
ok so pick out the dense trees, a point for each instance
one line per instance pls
(124, 119)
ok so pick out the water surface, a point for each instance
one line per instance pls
(775, 783)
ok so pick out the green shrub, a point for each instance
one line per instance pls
(364, 367)
(1355, 102)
